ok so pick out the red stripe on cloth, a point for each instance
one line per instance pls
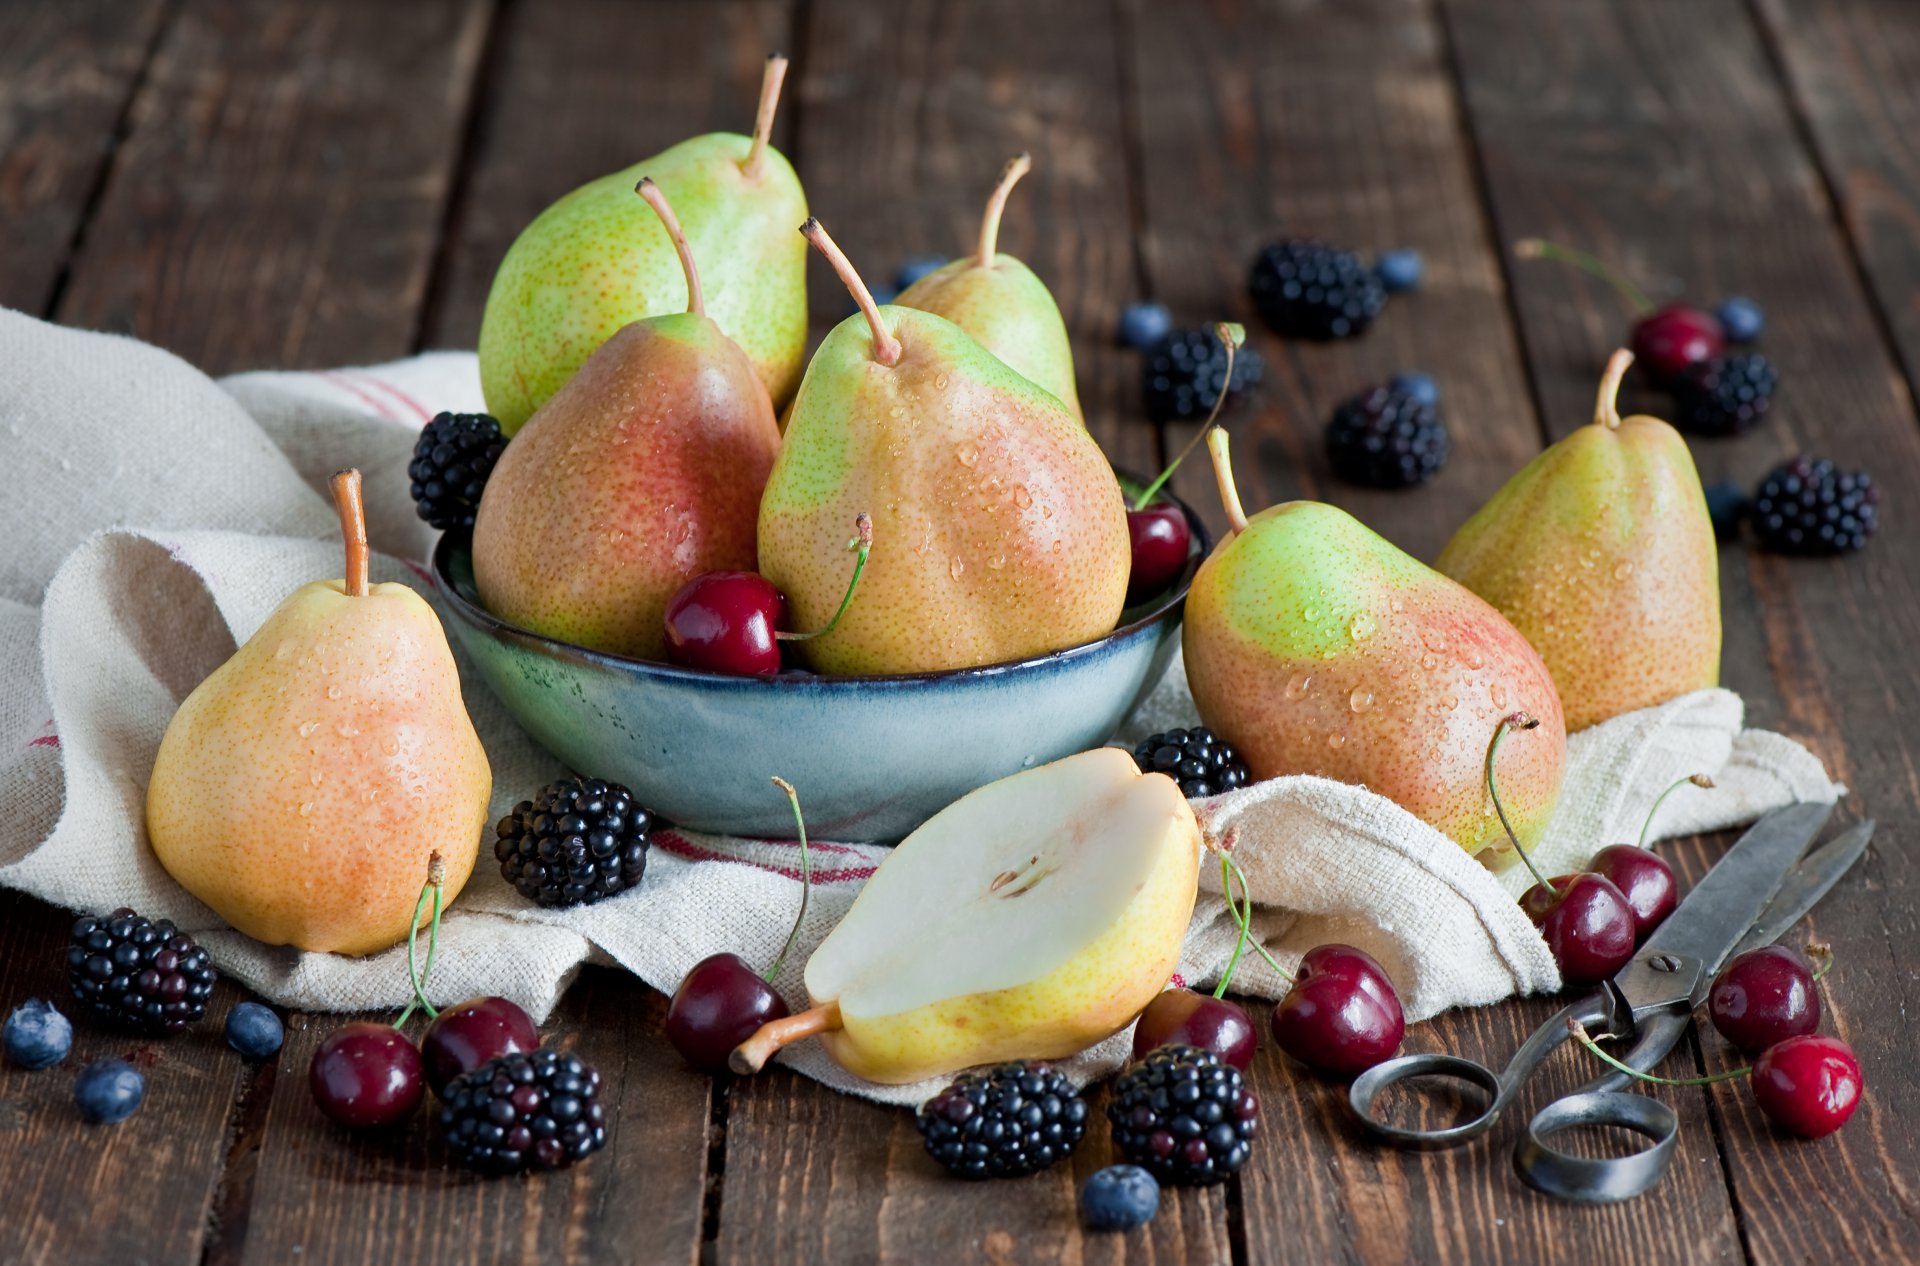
(419, 409)
(45, 740)
(680, 846)
(346, 384)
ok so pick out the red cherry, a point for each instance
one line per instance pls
(1181, 1017)
(1644, 879)
(1808, 1085)
(1161, 541)
(468, 1034)
(367, 1076)
(1763, 997)
(1342, 1015)
(725, 622)
(1587, 924)
(1670, 340)
(722, 1002)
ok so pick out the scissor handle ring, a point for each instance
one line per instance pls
(1367, 1086)
(1597, 1180)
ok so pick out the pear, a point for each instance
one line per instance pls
(997, 299)
(596, 261)
(642, 473)
(1602, 553)
(1316, 647)
(1000, 531)
(303, 786)
(1027, 920)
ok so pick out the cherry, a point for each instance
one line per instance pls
(1342, 1015)
(1161, 541)
(720, 1004)
(725, 622)
(1808, 1085)
(367, 1076)
(1587, 924)
(1182, 1017)
(1763, 997)
(468, 1034)
(1671, 340)
(1644, 879)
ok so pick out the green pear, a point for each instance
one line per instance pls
(997, 299)
(643, 472)
(596, 261)
(1602, 553)
(1315, 647)
(302, 788)
(1000, 531)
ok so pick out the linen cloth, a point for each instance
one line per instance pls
(157, 517)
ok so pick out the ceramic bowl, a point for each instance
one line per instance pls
(872, 757)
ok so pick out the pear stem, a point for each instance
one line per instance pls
(1223, 476)
(752, 1055)
(1691, 780)
(1516, 721)
(1016, 167)
(696, 304)
(1580, 1034)
(353, 530)
(1231, 336)
(1606, 404)
(806, 879)
(770, 81)
(1536, 248)
(862, 541)
(886, 348)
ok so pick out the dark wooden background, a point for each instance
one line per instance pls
(286, 183)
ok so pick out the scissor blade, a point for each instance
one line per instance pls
(1730, 897)
(1806, 884)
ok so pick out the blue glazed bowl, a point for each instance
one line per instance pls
(872, 757)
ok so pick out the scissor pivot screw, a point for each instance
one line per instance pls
(1664, 962)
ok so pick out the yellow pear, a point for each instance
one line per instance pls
(301, 788)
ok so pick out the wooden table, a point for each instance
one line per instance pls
(285, 183)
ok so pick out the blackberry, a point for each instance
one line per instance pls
(528, 1110)
(148, 977)
(576, 842)
(1808, 506)
(1013, 1121)
(1184, 372)
(451, 461)
(1309, 289)
(1727, 395)
(1199, 762)
(1184, 1116)
(1389, 437)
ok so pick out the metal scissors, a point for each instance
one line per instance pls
(1751, 897)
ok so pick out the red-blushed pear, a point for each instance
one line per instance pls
(301, 788)
(1316, 647)
(999, 529)
(643, 472)
(997, 299)
(1601, 551)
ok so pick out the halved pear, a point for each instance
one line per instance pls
(1027, 920)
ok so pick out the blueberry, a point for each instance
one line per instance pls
(109, 1091)
(1725, 504)
(1119, 1198)
(1421, 387)
(1399, 270)
(1144, 324)
(916, 268)
(1741, 319)
(38, 1036)
(254, 1030)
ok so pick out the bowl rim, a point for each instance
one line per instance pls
(472, 613)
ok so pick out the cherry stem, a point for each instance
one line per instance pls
(1017, 167)
(1516, 721)
(1231, 336)
(1243, 918)
(1580, 1034)
(436, 877)
(1217, 448)
(1537, 248)
(770, 81)
(1691, 780)
(1824, 952)
(862, 541)
(1606, 403)
(353, 530)
(752, 1055)
(886, 348)
(806, 878)
(658, 201)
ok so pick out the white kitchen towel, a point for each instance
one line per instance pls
(159, 516)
